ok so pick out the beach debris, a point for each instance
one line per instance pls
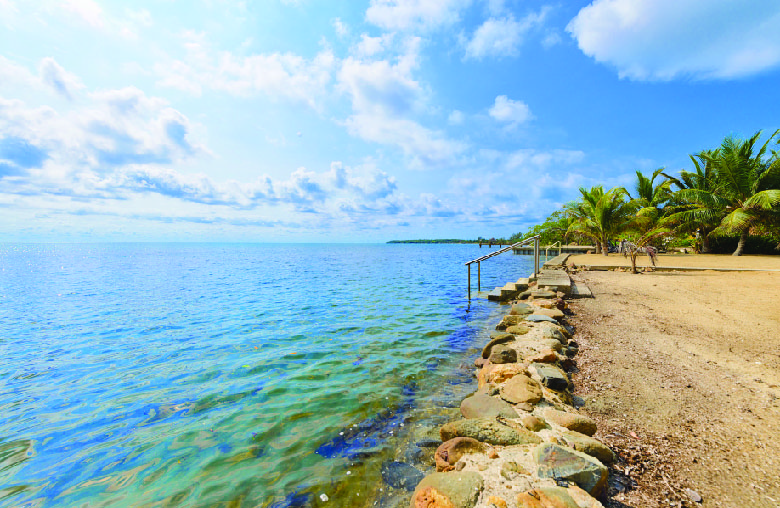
(324, 498)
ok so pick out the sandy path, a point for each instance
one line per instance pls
(690, 363)
(683, 260)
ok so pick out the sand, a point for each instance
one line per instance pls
(682, 372)
(720, 261)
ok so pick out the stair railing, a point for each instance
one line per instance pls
(547, 249)
(478, 261)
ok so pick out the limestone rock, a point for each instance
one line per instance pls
(533, 423)
(558, 462)
(522, 309)
(502, 354)
(592, 447)
(511, 470)
(508, 321)
(448, 490)
(450, 452)
(502, 338)
(517, 329)
(552, 377)
(546, 356)
(571, 421)
(487, 431)
(543, 293)
(480, 362)
(481, 405)
(495, 501)
(582, 498)
(538, 318)
(521, 390)
(497, 374)
(555, 333)
(546, 497)
(553, 313)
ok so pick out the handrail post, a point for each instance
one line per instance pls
(536, 257)
(479, 276)
(469, 267)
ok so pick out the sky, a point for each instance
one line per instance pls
(359, 121)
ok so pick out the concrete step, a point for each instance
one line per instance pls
(580, 290)
(495, 295)
(557, 280)
(558, 262)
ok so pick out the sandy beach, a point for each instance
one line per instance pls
(682, 372)
(719, 261)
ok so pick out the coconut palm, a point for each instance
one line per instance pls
(602, 215)
(651, 198)
(746, 186)
(697, 217)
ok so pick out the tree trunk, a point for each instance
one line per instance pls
(705, 242)
(633, 262)
(604, 248)
(598, 247)
(741, 245)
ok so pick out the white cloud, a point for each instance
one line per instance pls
(510, 111)
(370, 46)
(88, 10)
(502, 37)
(341, 28)
(414, 14)
(668, 39)
(455, 118)
(276, 75)
(55, 77)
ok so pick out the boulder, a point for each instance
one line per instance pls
(481, 405)
(561, 463)
(521, 389)
(571, 421)
(543, 293)
(501, 338)
(487, 431)
(546, 356)
(502, 354)
(517, 329)
(450, 452)
(508, 321)
(555, 333)
(538, 318)
(552, 377)
(546, 497)
(589, 445)
(533, 423)
(401, 475)
(497, 374)
(522, 309)
(553, 313)
(448, 490)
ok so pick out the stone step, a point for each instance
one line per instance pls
(557, 263)
(495, 295)
(580, 290)
(557, 280)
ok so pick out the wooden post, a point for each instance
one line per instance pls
(479, 276)
(469, 266)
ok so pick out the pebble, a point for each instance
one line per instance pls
(695, 497)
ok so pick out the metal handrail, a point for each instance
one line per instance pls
(479, 260)
(547, 249)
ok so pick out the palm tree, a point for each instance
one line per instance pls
(601, 215)
(746, 187)
(692, 216)
(651, 198)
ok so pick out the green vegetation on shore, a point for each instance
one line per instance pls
(731, 200)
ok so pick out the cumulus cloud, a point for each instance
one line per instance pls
(510, 111)
(414, 14)
(278, 75)
(502, 36)
(455, 118)
(341, 28)
(668, 39)
(54, 76)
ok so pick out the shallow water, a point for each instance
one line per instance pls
(235, 375)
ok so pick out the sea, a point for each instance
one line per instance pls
(259, 375)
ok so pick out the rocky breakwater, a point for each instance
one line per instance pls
(521, 442)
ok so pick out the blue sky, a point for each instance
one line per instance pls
(364, 121)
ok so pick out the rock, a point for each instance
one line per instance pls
(543, 293)
(511, 470)
(571, 421)
(546, 497)
(450, 452)
(517, 329)
(522, 309)
(552, 377)
(480, 362)
(533, 423)
(481, 405)
(550, 344)
(546, 356)
(571, 351)
(427, 443)
(521, 390)
(497, 374)
(553, 313)
(524, 295)
(508, 321)
(586, 444)
(500, 338)
(401, 475)
(502, 354)
(555, 333)
(496, 502)
(695, 497)
(538, 318)
(582, 498)
(543, 304)
(487, 431)
(448, 490)
(557, 462)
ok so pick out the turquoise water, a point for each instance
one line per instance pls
(228, 375)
